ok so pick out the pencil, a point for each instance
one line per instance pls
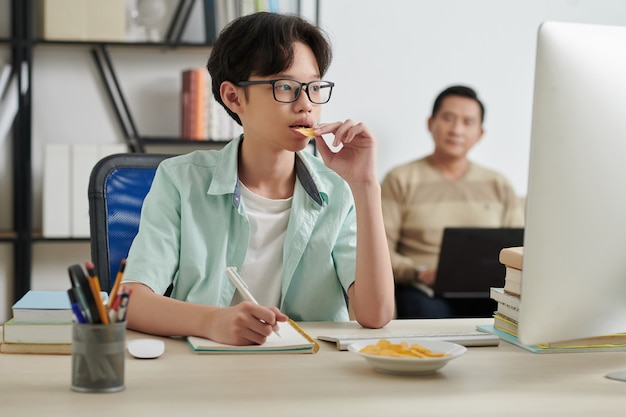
(94, 283)
(116, 284)
(236, 279)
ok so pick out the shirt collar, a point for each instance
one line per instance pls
(225, 179)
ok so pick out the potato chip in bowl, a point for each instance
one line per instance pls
(407, 356)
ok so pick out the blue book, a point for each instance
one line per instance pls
(44, 307)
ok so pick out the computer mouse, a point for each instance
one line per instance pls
(146, 348)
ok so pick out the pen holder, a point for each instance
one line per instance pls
(98, 352)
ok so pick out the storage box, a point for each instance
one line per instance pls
(83, 20)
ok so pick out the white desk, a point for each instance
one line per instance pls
(502, 381)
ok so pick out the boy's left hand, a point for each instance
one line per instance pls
(355, 162)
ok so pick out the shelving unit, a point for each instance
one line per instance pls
(21, 49)
(23, 44)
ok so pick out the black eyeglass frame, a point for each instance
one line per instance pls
(297, 94)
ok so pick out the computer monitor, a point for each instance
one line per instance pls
(574, 266)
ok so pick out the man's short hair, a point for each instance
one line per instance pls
(461, 91)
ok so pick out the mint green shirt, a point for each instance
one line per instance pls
(194, 224)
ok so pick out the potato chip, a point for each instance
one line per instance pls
(306, 131)
(400, 350)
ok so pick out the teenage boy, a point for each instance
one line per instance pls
(307, 237)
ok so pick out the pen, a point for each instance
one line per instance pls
(82, 290)
(121, 311)
(116, 304)
(78, 313)
(236, 279)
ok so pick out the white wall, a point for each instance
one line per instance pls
(393, 57)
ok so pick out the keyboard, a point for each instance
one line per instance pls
(468, 338)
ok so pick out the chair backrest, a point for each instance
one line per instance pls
(117, 187)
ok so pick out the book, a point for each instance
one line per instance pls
(16, 332)
(84, 20)
(552, 348)
(43, 307)
(512, 274)
(37, 348)
(508, 311)
(83, 157)
(508, 304)
(504, 323)
(512, 257)
(513, 288)
(194, 104)
(210, 22)
(200, 96)
(56, 191)
(185, 105)
(292, 339)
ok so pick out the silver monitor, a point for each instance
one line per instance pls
(574, 268)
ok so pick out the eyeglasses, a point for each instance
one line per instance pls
(288, 91)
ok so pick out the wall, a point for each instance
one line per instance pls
(393, 57)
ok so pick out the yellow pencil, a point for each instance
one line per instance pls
(94, 283)
(116, 284)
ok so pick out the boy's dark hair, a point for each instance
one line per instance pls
(262, 44)
(458, 90)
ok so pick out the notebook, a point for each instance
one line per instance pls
(469, 260)
(292, 339)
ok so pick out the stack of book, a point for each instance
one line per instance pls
(202, 117)
(506, 316)
(41, 323)
(508, 298)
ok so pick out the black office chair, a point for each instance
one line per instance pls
(117, 187)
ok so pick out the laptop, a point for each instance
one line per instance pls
(469, 260)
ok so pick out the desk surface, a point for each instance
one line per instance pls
(501, 380)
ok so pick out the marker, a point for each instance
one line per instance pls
(78, 313)
(236, 279)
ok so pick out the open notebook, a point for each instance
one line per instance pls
(292, 340)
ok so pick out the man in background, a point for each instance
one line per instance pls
(443, 189)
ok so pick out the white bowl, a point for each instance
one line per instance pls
(410, 366)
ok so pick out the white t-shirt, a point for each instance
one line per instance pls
(263, 267)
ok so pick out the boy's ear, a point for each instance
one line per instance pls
(230, 94)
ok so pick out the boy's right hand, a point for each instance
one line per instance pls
(244, 324)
